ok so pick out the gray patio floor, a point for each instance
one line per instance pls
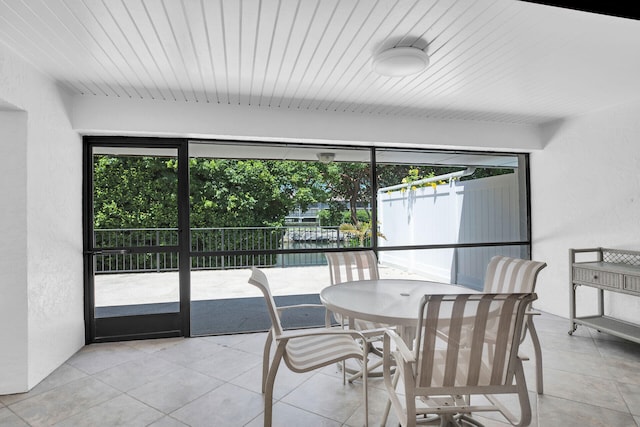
(591, 379)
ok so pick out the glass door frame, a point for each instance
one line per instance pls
(149, 325)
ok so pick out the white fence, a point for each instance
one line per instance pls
(480, 210)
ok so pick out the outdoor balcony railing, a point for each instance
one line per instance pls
(224, 239)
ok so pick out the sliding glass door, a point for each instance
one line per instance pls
(278, 207)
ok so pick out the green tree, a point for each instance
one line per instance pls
(350, 183)
(141, 192)
(250, 193)
(135, 192)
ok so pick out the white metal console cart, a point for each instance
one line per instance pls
(613, 271)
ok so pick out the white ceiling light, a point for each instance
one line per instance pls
(326, 157)
(400, 61)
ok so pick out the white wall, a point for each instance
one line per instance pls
(108, 115)
(44, 179)
(585, 191)
(13, 253)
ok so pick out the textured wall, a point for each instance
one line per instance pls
(13, 252)
(585, 189)
(47, 166)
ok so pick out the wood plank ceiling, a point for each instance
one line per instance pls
(492, 60)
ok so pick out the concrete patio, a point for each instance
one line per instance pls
(146, 288)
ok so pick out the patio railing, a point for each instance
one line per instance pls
(224, 239)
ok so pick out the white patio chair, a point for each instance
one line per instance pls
(303, 350)
(347, 267)
(505, 275)
(350, 266)
(440, 375)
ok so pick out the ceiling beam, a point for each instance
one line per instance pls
(127, 116)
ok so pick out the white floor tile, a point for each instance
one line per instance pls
(120, 411)
(590, 380)
(174, 390)
(228, 405)
(55, 405)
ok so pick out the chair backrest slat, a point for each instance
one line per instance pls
(479, 333)
(348, 266)
(509, 275)
(504, 340)
(468, 354)
(429, 336)
(455, 340)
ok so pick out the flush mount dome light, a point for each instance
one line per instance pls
(400, 61)
(326, 157)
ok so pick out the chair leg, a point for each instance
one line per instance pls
(469, 420)
(365, 384)
(523, 397)
(387, 406)
(538, 352)
(344, 372)
(271, 379)
(358, 374)
(370, 367)
(447, 420)
(265, 359)
(344, 362)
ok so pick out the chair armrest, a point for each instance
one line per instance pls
(287, 335)
(523, 357)
(374, 332)
(401, 346)
(287, 307)
(528, 319)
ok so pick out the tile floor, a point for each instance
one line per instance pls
(591, 379)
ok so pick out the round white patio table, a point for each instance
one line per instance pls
(390, 301)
